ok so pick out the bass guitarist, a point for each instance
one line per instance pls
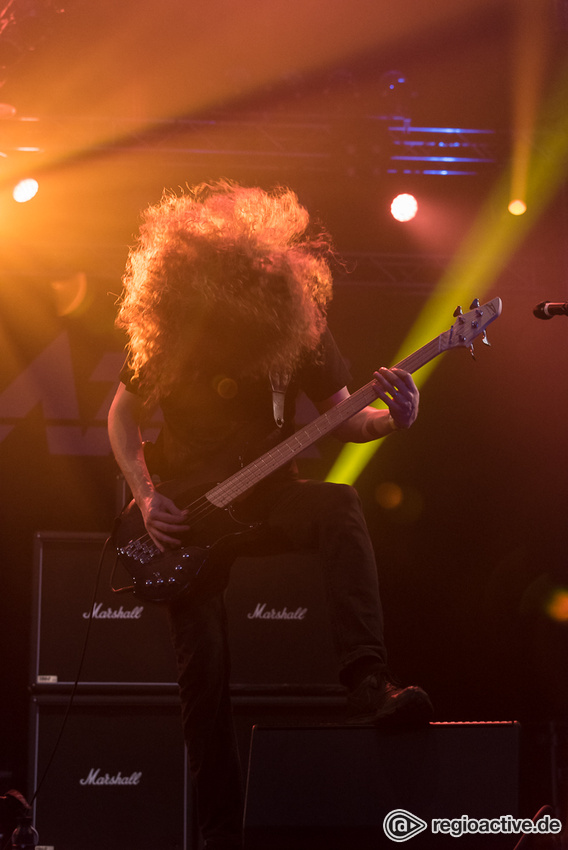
(224, 306)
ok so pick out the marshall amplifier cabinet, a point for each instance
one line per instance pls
(128, 641)
(118, 778)
(279, 628)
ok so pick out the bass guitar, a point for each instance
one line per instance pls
(164, 576)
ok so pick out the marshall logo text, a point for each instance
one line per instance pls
(100, 613)
(260, 613)
(96, 778)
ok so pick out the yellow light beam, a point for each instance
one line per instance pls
(534, 30)
(484, 253)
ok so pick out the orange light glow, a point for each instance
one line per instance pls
(389, 495)
(404, 505)
(557, 607)
(69, 294)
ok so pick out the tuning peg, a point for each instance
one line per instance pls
(474, 304)
(458, 313)
(484, 339)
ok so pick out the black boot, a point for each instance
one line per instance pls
(376, 701)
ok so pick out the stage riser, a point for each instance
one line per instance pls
(333, 788)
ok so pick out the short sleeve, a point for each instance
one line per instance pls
(127, 377)
(326, 373)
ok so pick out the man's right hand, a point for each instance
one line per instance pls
(164, 521)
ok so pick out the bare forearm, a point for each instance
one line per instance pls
(367, 425)
(126, 443)
(164, 521)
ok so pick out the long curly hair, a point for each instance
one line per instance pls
(223, 276)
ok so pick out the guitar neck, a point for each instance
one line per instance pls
(223, 494)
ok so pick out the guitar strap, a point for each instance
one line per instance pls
(279, 383)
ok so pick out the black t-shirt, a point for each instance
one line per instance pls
(216, 423)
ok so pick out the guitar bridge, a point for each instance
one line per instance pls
(139, 550)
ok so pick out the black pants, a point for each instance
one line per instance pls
(297, 515)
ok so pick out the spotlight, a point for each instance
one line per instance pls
(25, 190)
(404, 207)
(517, 207)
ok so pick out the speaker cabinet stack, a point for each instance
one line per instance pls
(119, 776)
(117, 772)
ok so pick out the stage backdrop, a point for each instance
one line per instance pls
(472, 550)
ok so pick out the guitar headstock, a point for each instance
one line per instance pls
(468, 326)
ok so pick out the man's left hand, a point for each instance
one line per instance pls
(400, 394)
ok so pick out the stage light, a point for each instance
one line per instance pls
(404, 207)
(25, 190)
(532, 45)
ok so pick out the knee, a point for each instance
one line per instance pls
(340, 506)
(342, 497)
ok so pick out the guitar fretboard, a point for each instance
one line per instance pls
(223, 494)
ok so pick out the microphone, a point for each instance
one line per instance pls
(548, 309)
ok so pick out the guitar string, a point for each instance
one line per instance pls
(202, 507)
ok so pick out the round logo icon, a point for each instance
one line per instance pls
(400, 825)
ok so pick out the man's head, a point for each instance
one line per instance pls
(223, 276)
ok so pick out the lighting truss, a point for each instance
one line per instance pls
(371, 146)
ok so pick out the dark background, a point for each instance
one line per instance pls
(477, 547)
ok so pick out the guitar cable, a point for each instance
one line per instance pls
(74, 687)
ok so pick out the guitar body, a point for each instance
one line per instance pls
(164, 576)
